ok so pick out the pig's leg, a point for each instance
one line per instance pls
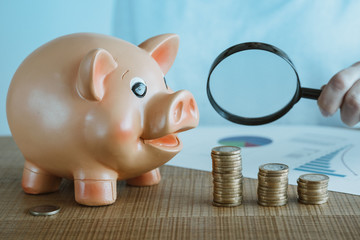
(152, 177)
(36, 181)
(95, 192)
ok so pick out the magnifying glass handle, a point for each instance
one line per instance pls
(310, 93)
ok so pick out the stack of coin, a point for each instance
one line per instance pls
(227, 176)
(273, 184)
(312, 188)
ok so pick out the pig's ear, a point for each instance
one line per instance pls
(94, 68)
(163, 48)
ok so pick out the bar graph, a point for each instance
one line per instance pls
(322, 164)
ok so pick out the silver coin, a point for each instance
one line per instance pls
(228, 199)
(312, 192)
(273, 204)
(274, 167)
(220, 177)
(273, 179)
(312, 185)
(228, 194)
(271, 198)
(314, 198)
(227, 204)
(313, 202)
(226, 157)
(227, 170)
(44, 210)
(272, 174)
(232, 195)
(265, 193)
(273, 184)
(225, 163)
(317, 178)
(227, 185)
(229, 180)
(226, 150)
(230, 166)
(225, 160)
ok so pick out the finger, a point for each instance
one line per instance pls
(333, 93)
(350, 108)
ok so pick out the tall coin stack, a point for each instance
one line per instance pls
(313, 188)
(273, 184)
(227, 176)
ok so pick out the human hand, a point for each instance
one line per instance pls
(343, 91)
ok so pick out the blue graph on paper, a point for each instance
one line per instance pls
(322, 164)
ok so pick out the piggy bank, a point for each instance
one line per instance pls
(97, 109)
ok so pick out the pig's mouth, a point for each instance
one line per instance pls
(168, 142)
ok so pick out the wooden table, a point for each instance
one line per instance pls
(178, 208)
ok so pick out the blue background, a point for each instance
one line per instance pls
(321, 37)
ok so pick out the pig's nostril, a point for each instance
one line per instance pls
(178, 111)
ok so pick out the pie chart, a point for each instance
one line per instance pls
(245, 141)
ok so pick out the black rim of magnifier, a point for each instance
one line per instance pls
(260, 120)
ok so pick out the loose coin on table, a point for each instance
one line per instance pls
(44, 210)
(227, 176)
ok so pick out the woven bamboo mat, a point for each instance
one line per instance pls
(178, 208)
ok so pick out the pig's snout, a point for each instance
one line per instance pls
(170, 113)
(184, 111)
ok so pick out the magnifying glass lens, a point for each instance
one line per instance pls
(253, 83)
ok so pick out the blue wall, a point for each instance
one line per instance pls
(321, 39)
(26, 25)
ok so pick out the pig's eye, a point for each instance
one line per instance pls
(138, 87)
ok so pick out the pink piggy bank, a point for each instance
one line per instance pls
(97, 109)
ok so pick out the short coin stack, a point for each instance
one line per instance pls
(313, 188)
(227, 176)
(273, 184)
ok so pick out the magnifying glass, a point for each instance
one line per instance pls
(255, 83)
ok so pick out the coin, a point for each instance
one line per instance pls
(312, 191)
(227, 164)
(314, 178)
(226, 196)
(273, 204)
(273, 189)
(273, 184)
(270, 174)
(313, 197)
(44, 210)
(229, 157)
(222, 169)
(268, 193)
(227, 199)
(226, 204)
(274, 167)
(227, 192)
(226, 185)
(283, 178)
(272, 198)
(226, 150)
(312, 185)
(313, 202)
(224, 176)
